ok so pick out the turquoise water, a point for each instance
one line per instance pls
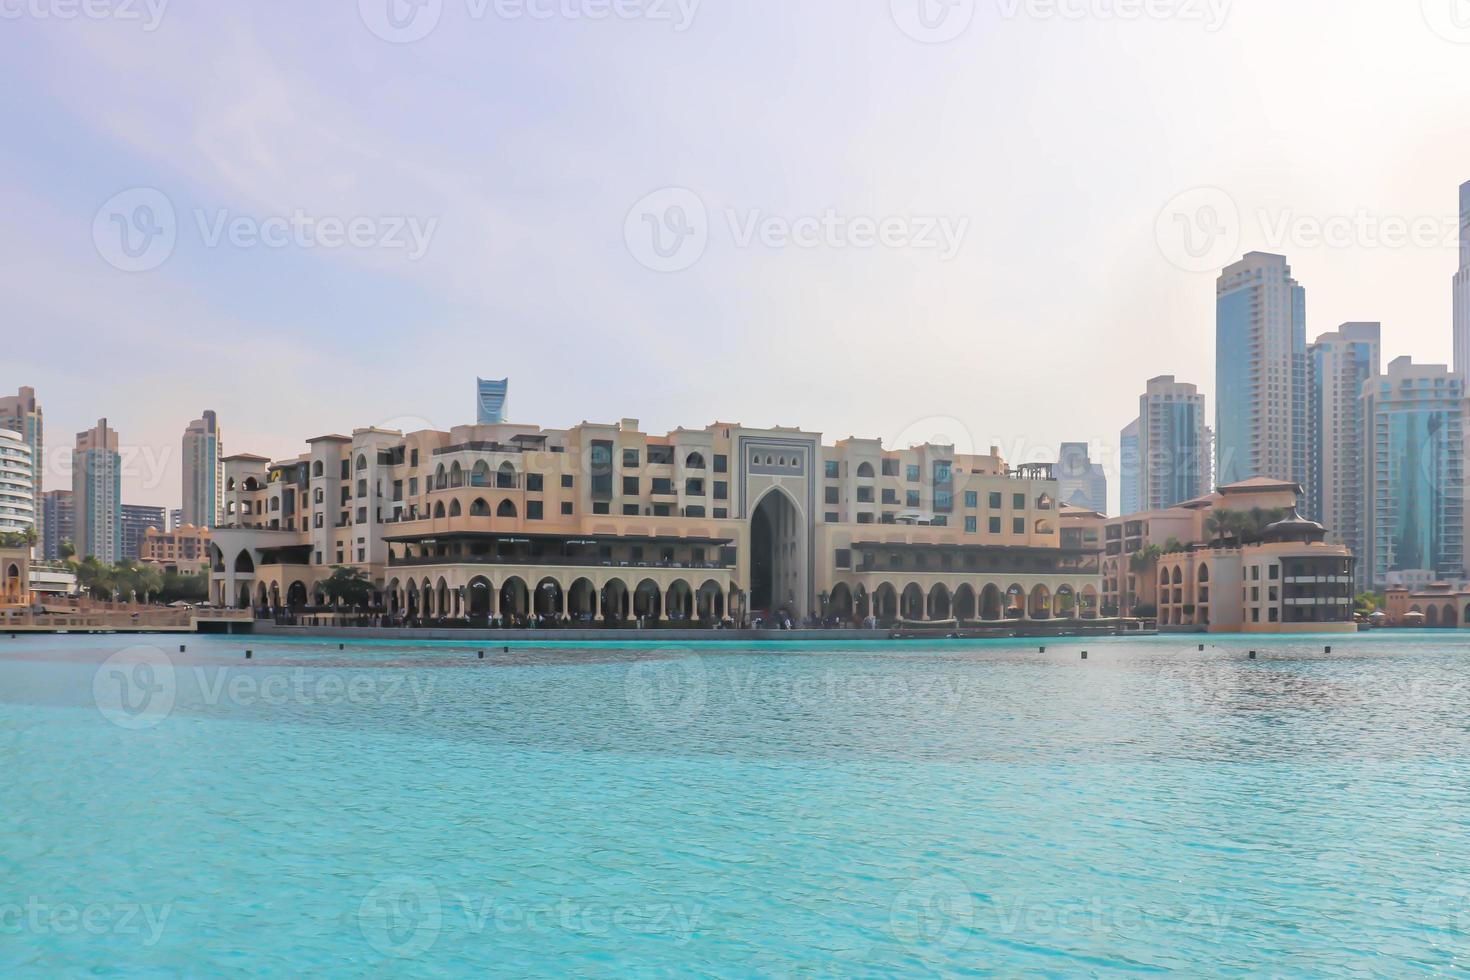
(950, 808)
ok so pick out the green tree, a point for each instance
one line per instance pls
(66, 549)
(348, 587)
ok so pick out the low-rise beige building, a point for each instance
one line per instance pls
(605, 522)
(15, 577)
(185, 549)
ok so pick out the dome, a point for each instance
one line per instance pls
(1294, 527)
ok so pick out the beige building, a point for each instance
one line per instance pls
(15, 572)
(185, 549)
(605, 522)
(1274, 577)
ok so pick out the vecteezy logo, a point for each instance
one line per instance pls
(1199, 230)
(1450, 19)
(668, 230)
(135, 230)
(401, 917)
(135, 688)
(938, 910)
(933, 21)
(401, 21)
(667, 693)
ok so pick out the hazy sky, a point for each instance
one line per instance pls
(996, 255)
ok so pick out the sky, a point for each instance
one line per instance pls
(985, 221)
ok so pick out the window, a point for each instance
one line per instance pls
(534, 482)
(413, 486)
(972, 499)
(694, 487)
(1018, 501)
(843, 558)
(694, 511)
(831, 517)
(865, 518)
(830, 495)
(911, 499)
(993, 526)
(865, 495)
(1274, 571)
(722, 490)
(890, 467)
(890, 497)
(600, 507)
(662, 485)
(566, 481)
(413, 457)
(660, 455)
(566, 508)
(630, 510)
(533, 510)
(694, 461)
(721, 513)
(830, 468)
(911, 472)
(362, 515)
(630, 486)
(346, 475)
(889, 517)
(994, 500)
(630, 459)
(601, 460)
(722, 464)
(970, 523)
(662, 510)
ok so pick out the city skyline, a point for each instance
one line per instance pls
(490, 290)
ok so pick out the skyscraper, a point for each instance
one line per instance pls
(1130, 470)
(17, 499)
(136, 520)
(1260, 371)
(201, 472)
(1462, 290)
(1081, 482)
(1174, 443)
(60, 522)
(1339, 364)
(22, 413)
(1414, 465)
(96, 484)
(491, 400)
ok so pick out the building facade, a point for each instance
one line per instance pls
(59, 522)
(605, 522)
(1130, 469)
(1414, 479)
(96, 485)
(22, 413)
(1174, 443)
(201, 447)
(1082, 482)
(492, 399)
(182, 549)
(1340, 363)
(17, 485)
(1461, 292)
(137, 521)
(1260, 371)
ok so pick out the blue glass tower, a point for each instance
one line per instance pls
(490, 402)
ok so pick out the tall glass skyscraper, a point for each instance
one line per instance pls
(22, 413)
(1261, 397)
(490, 401)
(1130, 470)
(96, 485)
(1339, 364)
(1462, 289)
(1414, 499)
(1174, 443)
(201, 472)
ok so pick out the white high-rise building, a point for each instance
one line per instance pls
(202, 457)
(1340, 362)
(1462, 289)
(1260, 372)
(1174, 444)
(1130, 470)
(17, 484)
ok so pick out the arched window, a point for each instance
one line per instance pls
(441, 477)
(454, 509)
(865, 471)
(362, 461)
(694, 461)
(456, 475)
(479, 509)
(439, 509)
(1204, 573)
(1178, 576)
(505, 477)
(506, 509)
(480, 475)
(230, 483)
(316, 468)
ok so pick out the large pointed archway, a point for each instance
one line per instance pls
(778, 578)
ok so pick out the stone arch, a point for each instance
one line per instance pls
(479, 508)
(506, 508)
(778, 543)
(548, 598)
(964, 602)
(1040, 605)
(911, 603)
(244, 563)
(439, 508)
(477, 596)
(515, 597)
(865, 471)
(1448, 619)
(939, 603)
(1015, 601)
(505, 476)
(992, 603)
(840, 602)
(710, 602)
(680, 604)
(694, 461)
(1064, 603)
(648, 600)
(582, 599)
(885, 603)
(296, 595)
(454, 509)
(616, 603)
(1431, 615)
